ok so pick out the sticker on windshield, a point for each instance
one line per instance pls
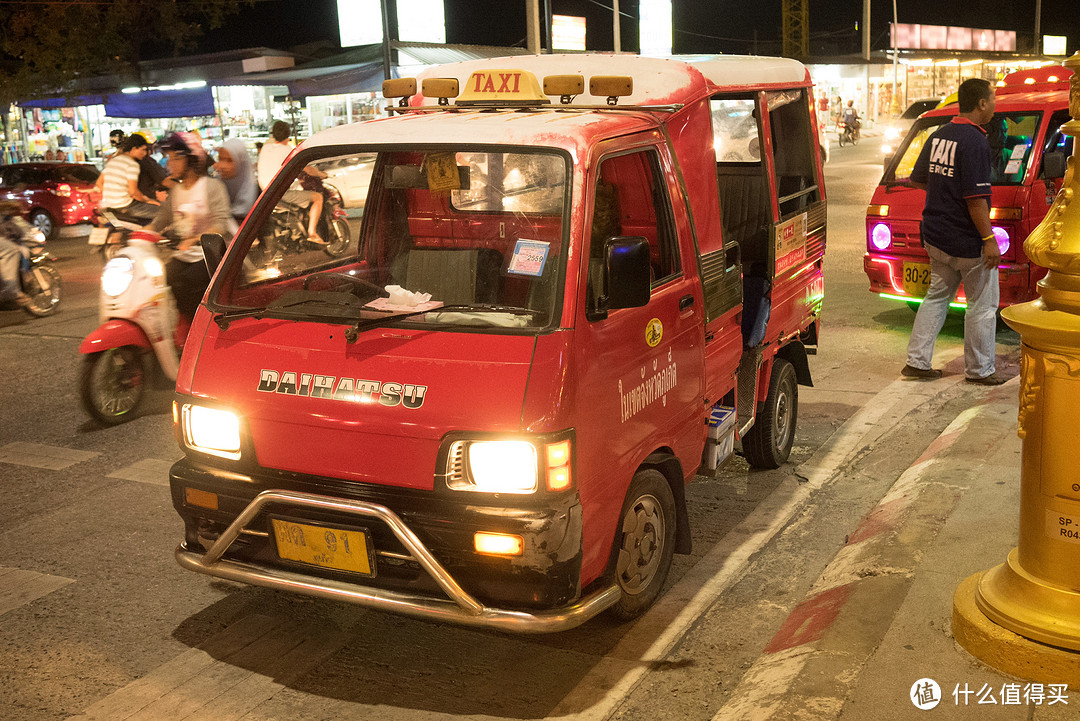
(529, 258)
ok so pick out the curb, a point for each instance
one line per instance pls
(1004, 650)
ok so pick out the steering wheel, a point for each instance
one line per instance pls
(379, 291)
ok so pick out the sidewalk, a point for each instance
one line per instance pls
(878, 619)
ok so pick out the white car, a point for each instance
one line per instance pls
(351, 176)
(896, 130)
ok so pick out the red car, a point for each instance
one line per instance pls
(54, 193)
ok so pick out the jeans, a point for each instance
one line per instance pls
(980, 321)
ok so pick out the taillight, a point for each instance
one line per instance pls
(62, 189)
(881, 236)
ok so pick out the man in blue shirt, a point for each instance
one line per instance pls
(954, 168)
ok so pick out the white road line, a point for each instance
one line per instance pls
(149, 470)
(657, 632)
(39, 455)
(19, 587)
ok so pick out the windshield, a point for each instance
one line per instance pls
(473, 236)
(1011, 136)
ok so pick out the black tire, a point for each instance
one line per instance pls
(644, 543)
(44, 222)
(112, 384)
(768, 443)
(42, 283)
(338, 238)
(840, 139)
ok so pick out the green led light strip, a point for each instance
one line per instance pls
(908, 299)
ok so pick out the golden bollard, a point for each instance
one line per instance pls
(1036, 592)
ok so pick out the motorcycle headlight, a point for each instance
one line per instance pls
(211, 430)
(117, 276)
(494, 466)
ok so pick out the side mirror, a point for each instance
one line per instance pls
(213, 246)
(1054, 165)
(627, 273)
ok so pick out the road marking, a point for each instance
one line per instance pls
(225, 678)
(38, 455)
(149, 470)
(651, 639)
(19, 587)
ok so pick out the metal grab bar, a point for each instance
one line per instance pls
(460, 608)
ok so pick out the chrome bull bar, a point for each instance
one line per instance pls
(459, 607)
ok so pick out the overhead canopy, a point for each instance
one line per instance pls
(184, 103)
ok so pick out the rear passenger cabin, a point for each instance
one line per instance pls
(772, 202)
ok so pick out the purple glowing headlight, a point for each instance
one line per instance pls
(1003, 240)
(881, 236)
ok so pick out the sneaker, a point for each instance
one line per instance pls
(991, 380)
(924, 373)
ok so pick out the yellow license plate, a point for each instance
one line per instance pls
(916, 279)
(322, 546)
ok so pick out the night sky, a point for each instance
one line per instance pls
(701, 26)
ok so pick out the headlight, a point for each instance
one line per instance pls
(1003, 240)
(493, 466)
(881, 236)
(892, 134)
(117, 276)
(211, 430)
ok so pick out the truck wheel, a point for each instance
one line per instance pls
(112, 384)
(644, 543)
(769, 441)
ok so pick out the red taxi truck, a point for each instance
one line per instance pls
(558, 306)
(1027, 164)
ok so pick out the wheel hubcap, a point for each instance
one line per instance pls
(119, 384)
(642, 545)
(782, 419)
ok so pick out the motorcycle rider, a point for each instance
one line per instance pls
(851, 119)
(12, 230)
(273, 154)
(119, 181)
(198, 204)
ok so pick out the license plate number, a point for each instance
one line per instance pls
(98, 236)
(323, 546)
(916, 279)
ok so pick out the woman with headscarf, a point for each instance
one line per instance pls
(198, 204)
(235, 169)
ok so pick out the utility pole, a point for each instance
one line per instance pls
(385, 39)
(1038, 22)
(532, 26)
(616, 26)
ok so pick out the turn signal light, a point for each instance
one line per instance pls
(1006, 213)
(558, 464)
(202, 499)
(498, 544)
(881, 211)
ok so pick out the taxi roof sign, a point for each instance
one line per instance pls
(502, 87)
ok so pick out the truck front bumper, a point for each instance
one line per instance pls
(886, 275)
(423, 548)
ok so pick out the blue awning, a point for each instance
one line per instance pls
(160, 103)
(72, 102)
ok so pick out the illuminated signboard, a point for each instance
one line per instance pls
(567, 32)
(359, 22)
(908, 36)
(655, 27)
(1054, 45)
(421, 21)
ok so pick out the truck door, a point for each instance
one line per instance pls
(640, 369)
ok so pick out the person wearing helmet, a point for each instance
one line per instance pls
(12, 228)
(198, 204)
(153, 179)
(116, 137)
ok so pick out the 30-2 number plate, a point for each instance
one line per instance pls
(916, 279)
(323, 546)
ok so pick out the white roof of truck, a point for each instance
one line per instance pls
(656, 80)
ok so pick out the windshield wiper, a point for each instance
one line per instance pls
(353, 332)
(348, 302)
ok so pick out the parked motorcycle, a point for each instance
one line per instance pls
(140, 330)
(286, 233)
(39, 280)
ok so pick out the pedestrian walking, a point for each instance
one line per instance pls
(954, 169)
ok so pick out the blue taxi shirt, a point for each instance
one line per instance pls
(955, 165)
